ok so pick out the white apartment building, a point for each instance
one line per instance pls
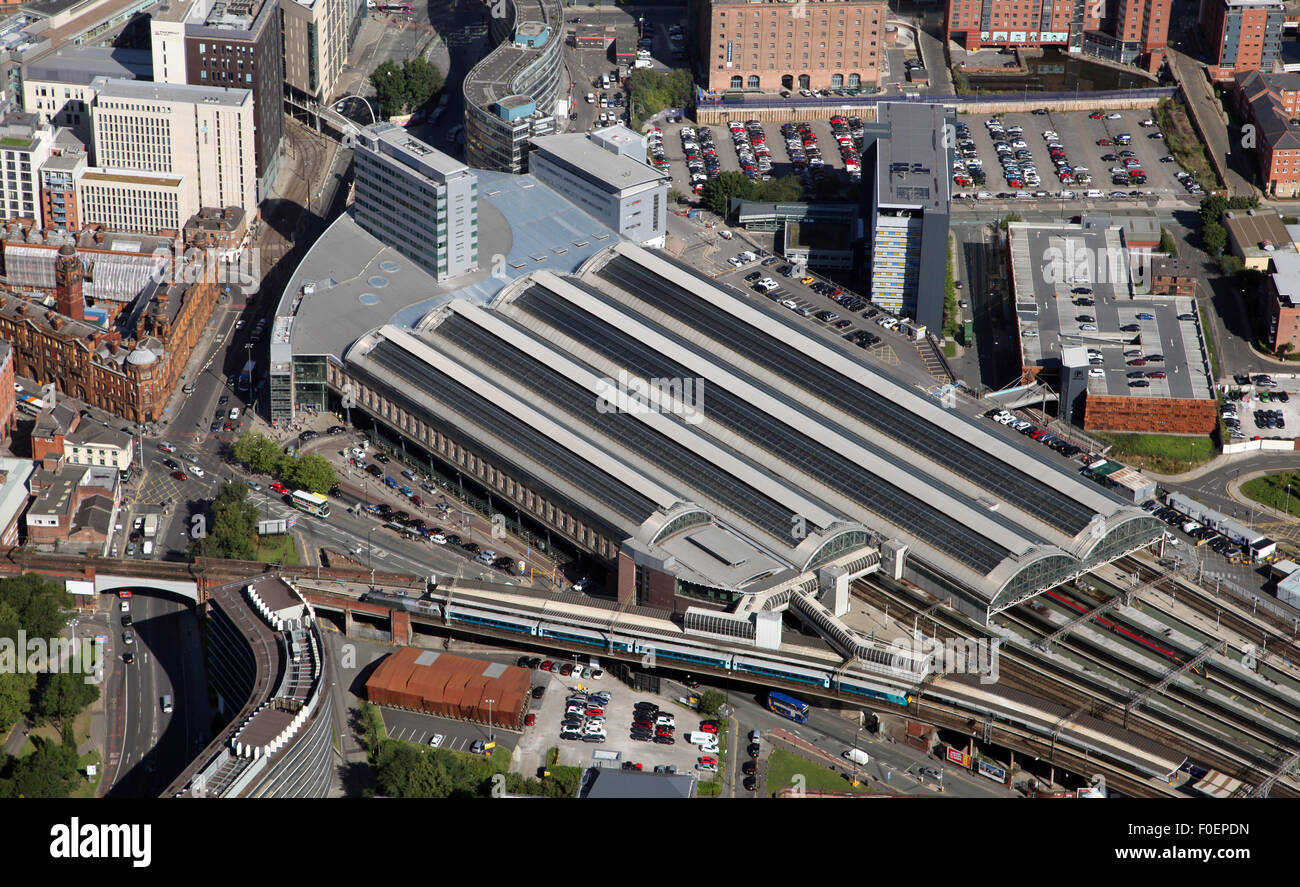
(24, 145)
(200, 134)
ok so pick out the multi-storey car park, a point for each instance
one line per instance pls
(511, 95)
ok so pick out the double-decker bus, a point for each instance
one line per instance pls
(788, 707)
(246, 375)
(311, 503)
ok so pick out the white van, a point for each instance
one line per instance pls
(702, 739)
(1093, 193)
(857, 756)
(167, 704)
(147, 548)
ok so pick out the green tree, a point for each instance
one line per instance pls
(407, 771)
(389, 82)
(1009, 218)
(711, 701)
(48, 772)
(1212, 208)
(718, 192)
(234, 524)
(1213, 238)
(650, 92)
(15, 698)
(63, 697)
(311, 472)
(1230, 264)
(423, 81)
(259, 452)
(784, 189)
(1167, 244)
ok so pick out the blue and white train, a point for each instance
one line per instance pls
(679, 651)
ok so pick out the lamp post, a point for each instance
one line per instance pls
(492, 736)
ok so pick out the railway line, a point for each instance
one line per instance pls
(1084, 692)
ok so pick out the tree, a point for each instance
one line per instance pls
(1231, 264)
(1212, 208)
(48, 772)
(785, 189)
(718, 192)
(64, 696)
(234, 524)
(711, 701)
(260, 453)
(389, 82)
(407, 771)
(1167, 244)
(650, 92)
(1213, 238)
(311, 472)
(423, 81)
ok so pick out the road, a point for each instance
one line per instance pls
(146, 747)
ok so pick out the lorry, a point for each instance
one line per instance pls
(275, 527)
(150, 528)
(857, 756)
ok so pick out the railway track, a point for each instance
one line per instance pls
(1080, 691)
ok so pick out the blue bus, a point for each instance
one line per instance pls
(788, 707)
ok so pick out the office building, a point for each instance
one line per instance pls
(1242, 35)
(418, 199)
(1125, 31)
(24, 145)
(317, 34)
(513, 94)
(14, 494)
(230, 43)
(606, 174)
(1271, 103)
(771, 45)
(202, 135)
(905, 208)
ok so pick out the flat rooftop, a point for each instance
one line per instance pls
(1050, 261)
(606, 170)
(518, 217)
(912, 162)
(82, 64)
(149, 91)
(1251, 230)
(492, 78)
(419, 156)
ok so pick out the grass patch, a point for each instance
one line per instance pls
(951, 319)
(89, 787)
(949, 349)
(1271, 490)
(782, 767)
(552, 757)
(1208, 332)
(1162, 453)
(282, 549)
(1184, 144)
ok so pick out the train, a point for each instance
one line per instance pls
(761, 664)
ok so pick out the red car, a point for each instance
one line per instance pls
(1097, 115)
(1156, 375)
(180, 475)
(1105, 143)
(709, 760)
(1137, 362)
(546, 666)
(530, 719)
(595, 711)
(566, 670)
(279, 487)
(166, 448)
(708, 728)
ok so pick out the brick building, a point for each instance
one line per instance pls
(1172, 277)
(1241, 35)
(75, 507)
(1162, 415)
(59, 433)
(8, 401)
(1282, 302)
(130, 370)
(225, 227)
(1271, 103)
(1257, 236)
(1125, 31)
(770, 45)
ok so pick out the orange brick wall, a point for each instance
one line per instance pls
(1160, 415)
